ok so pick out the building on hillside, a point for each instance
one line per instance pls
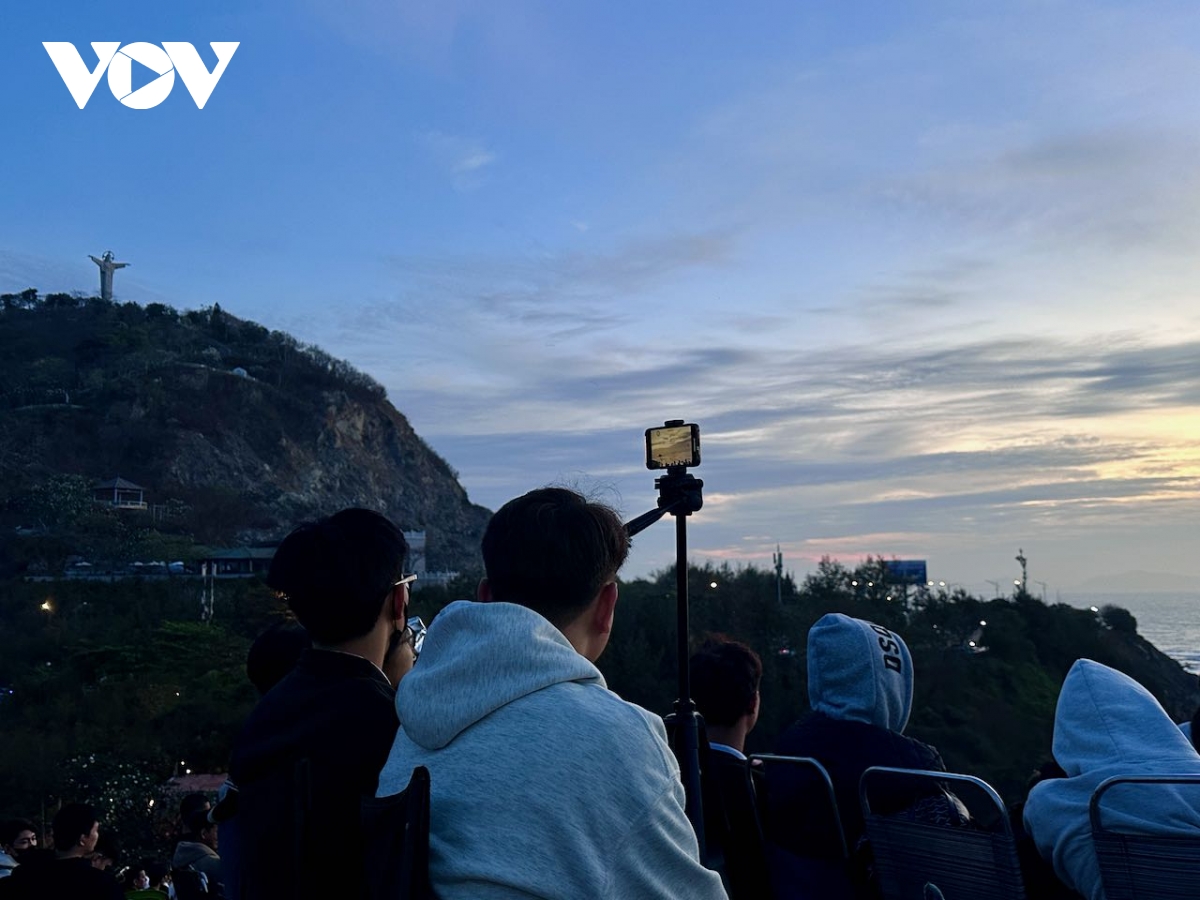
(246, 562)
(119, 493)
(238, 562)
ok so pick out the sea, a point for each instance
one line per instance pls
(1170, 621)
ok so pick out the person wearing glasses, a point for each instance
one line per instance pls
(543, 783)
(314, 744)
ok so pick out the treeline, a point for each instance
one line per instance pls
(106, 688)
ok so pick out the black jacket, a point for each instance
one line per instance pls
(311, 749)
(846, 749)
(42, 875)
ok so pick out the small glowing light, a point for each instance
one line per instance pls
(177, 693)
(982, 622)
(1093, 609)
(870, 584)
(970, 643)
(712, 584)
(854, 584)
(182, 763)
(941, 584)
(189, 771)
(47, 606)
(889, 597)
(151, 803)
(929, 584)
(1017, 582)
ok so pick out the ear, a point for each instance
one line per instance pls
(606, 604)
(399, 605)
(483, 593)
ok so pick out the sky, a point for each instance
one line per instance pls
(924, 273)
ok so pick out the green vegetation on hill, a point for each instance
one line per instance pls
(235, 431)
(124, 676)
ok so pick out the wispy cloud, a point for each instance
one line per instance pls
(463, 160)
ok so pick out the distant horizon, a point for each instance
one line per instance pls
(926, 276)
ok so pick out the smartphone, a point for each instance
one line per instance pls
(675, 444)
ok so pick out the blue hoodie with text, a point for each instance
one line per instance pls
(1107, 724)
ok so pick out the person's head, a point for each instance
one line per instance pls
(191, 803)
(725, 679)
(18, 837)
(76, 830)
(274, 654)
(339, 573)
(557, 553)
(156, 872)
(107, 851)
(859, 671)
(199, 829)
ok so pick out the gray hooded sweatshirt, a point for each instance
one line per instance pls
(543, 782)
(1107, 724)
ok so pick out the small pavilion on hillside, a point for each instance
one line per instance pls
(119, 493)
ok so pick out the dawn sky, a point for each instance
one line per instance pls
(924, 273)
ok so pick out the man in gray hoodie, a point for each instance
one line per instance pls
(544, 784)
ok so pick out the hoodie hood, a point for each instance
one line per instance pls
(1105, 718)
(1107, 724)
(480, 657)
(859, 671)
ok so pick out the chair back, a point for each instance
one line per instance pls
(914, 860)
(396, 831)
(1141, 866)
(807, 854)
(819, 803)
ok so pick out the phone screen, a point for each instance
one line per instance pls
(673, 445)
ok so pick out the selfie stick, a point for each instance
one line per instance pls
(680, 495)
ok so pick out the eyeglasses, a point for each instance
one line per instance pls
(414, 633)
(405, 579)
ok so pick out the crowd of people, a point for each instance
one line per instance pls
(82, 860)
(546, 784)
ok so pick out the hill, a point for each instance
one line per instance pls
(236, 433)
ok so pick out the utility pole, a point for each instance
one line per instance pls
(778, 560)
(994, 584)
(1024, 573)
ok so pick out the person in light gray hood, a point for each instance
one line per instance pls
(1107, 724)
(544, 784)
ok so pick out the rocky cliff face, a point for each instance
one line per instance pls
(352, 453)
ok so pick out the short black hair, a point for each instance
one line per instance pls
(192, 802)
(196, 821)
(275, 653)
(726, 675)
(73, 821)
(552, 550)
(11, 828)
(336, 572)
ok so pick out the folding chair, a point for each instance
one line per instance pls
(914, 861)
(1140, 866)
(806, 845)
(396, 831)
